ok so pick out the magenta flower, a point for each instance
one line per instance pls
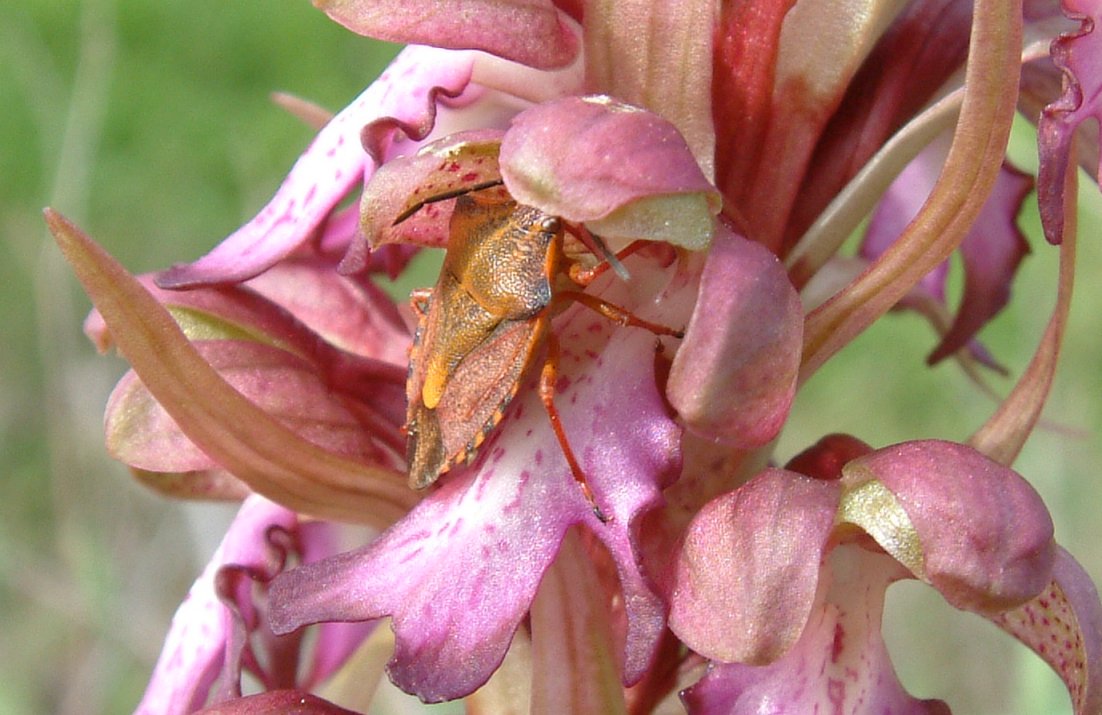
(725, 153)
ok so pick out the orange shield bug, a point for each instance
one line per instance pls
(482, 326)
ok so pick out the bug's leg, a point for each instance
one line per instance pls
(616, 314)
(419, 299)
(548, 377)
(585, 276)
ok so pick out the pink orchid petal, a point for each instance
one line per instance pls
(747, 573)
(469, 557)
(454, 163)
(353, 315)
(921, 49)
(1063, 625)
(532, 32)
(657, 55)
(339, 238)
(610, 165)
(839, 665)
(1079, 55)
(777, 107)
(259, 450)
(991, 251)
(209, 484)
(194, 649)
(574, 660)
(287, 702)
(982, 554)
(325, 173)
(142, 434)
(734, 377)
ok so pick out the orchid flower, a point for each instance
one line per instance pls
(725, 151)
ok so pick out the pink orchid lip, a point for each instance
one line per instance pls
(475, 549)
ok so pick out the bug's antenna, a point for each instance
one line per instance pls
(444, 197)
(599, 248)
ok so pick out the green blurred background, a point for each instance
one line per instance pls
(150, 124)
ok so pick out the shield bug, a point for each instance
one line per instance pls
(483, 325)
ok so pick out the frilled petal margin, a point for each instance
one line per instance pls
(734, 378)
(991, 251)
(244, 439)
(458, 574)
(1079, 55)
(625, 172)
(196, 645)
(405, 95)
(532, 32)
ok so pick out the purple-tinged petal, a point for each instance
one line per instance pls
(329, 169)
(734, 377)
(921, 49)
(454, 163)
(339, 237)
(623, 171)
(1079, 55)
(469, 557)
(839, 665)
(1001, 438)
(210, 484)
(1063, 625)
(747, 574)
(773, 111)
(657, 55)
(352, 315)
(929, 504)
(532, 32)
(256, 448)
(574, 660)
(970, 171)
(285, 702)
(991, 251)
(142, 434)
(196, 644)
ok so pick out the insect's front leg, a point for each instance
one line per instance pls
(616, 314)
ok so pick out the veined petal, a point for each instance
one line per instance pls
(657, 55)
(574, 660)
(532, 32)
(1063, 625)
(196, 644)
(734, 378)
(1079, 55)
(749, 568)
(623, 171)
(982, 554)
(458, 574)
(840, 663)
(774, 109)
(142, 434)
(333, 164)
(244, 439)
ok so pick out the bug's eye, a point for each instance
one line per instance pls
(551, 224)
